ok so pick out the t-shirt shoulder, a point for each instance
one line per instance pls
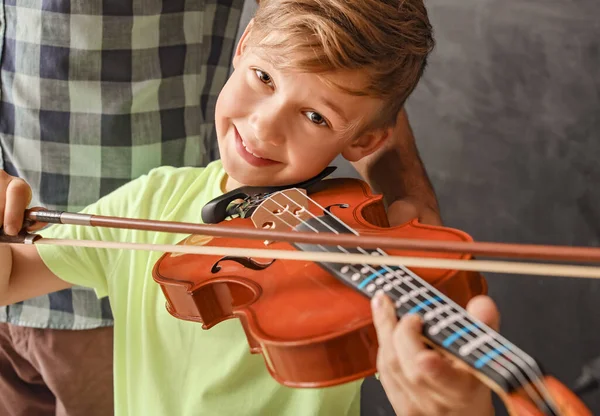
(162, 194)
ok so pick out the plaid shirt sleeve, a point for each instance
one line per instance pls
(96, 93)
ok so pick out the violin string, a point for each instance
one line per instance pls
(528, 364)
(464, 316)
(498, 359)
(392, 285)
(501, 369)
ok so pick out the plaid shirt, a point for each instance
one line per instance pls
(95, 93)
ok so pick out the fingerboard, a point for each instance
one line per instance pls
(445, 323)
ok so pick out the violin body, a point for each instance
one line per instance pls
(313, 329)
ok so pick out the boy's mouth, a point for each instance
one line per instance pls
(248, 154)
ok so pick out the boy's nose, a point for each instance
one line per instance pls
(266, 127)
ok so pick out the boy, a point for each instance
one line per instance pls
(312, 79)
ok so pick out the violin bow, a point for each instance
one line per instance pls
(582, 254)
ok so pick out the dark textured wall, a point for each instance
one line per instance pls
(507, 120)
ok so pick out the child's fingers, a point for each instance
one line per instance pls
(384, 317)
(5, 179)
(18, 196)
(408, 344)
(450, 379)
(483, 308)
(385, 320)
(2, 205)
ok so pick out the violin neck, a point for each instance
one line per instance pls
(446, 325)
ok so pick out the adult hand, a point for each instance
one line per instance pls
(406, 209)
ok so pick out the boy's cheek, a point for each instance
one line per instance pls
(313, 157)
(230, 107)
(236, 91)
(226, 100)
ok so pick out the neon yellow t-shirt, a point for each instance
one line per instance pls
(166, 366)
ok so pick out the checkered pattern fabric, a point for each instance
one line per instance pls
(95, 93)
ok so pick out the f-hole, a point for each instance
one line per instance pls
(328, 208)
(246, 262)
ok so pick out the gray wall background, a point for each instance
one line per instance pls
(507, 120)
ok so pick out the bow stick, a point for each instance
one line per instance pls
(587, 254)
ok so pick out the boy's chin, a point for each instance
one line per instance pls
(248, 179)
(254, 177)
(242, 174)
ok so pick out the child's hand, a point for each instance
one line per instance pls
(15, 196)
(23, 274)
(419, 381)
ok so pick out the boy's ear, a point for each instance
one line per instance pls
(241, 46)
(366, 144)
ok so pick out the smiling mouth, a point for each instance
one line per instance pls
(250, 151)
(250, 156)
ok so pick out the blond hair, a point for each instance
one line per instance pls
(389, 40)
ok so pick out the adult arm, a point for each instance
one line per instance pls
(397, 172)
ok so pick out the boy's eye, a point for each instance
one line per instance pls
(263, 76)
(316, 118)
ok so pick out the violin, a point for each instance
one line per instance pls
(300, 312)
(309, 316)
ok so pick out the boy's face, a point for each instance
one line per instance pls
(279, 127)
